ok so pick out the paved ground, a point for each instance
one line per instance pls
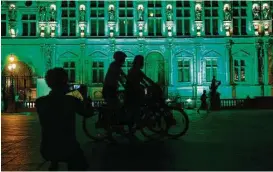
(226, 140)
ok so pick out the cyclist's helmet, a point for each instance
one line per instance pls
(119, 56)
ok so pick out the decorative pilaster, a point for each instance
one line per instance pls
(82, 20)
(266, 15)
(111, 20)
(227, 18)
(169, 17)
(266, 72)
(42, 19)
(52, 20)
(83, 67)
(140, 22)
(48, 56)
(12, 20)
(256, 9)
(260, 53)
(198, 17)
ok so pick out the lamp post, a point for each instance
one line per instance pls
(12, 67)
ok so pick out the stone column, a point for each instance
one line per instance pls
(42, 49)
(256, 65)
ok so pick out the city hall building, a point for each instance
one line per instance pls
(185, 44)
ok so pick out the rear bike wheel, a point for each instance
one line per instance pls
(94, 128)
(177, 122)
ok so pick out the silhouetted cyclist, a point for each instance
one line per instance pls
(114, 76)
(135, 90)
(57, 116)
(204, 104)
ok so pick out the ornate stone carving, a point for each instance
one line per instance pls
(111, 13)
(169, 13)
(42, 13)
(198, 12)
(227, 12)
(12, 13)
(48, 56)
(266, 10)
(82, 13)
(53, 13)
(256, 11)
(140, 11)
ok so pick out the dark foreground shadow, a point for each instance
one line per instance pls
(152, 156)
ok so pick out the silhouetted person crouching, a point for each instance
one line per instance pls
(57, 116)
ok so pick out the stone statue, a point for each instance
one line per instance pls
(12, 14)
(266, 15)
(227, 14)
(198, 14)
(111, 14)
(82, 14)
(52, 14)
(140, 14)
(256, 13)
(169, 14)
(42, 13)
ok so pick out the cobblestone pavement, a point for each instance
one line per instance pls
(224, 140)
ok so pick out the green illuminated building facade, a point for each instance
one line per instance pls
(185, 43)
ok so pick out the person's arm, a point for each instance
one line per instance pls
(122, 78)
(83, 108)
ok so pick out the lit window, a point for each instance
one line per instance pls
(211, 69)
(183, 67)
(97, 72)
(239, 70)
(70, 68)
(127, 65)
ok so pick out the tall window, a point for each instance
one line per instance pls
(127, 65)
(97, 72)
(183, 17)
(29, 24)
(68, 18)
(183, 67)
(70, 68)
(239, 70)
(211, 17)
(126, 15)
(211, 69)
(154, 18)
(3, 24)
(239, 17)
(97, 25)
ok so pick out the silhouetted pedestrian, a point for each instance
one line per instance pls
(204, 104)
(57, 115)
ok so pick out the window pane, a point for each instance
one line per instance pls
(158, 13)
(178, 13)
(72, 28)
(214, 63)
(242, 63)
(93, 13)
(215, 26)
(32, 29)
(100, 13)
(180, 63)
(130, 27)
(236, 74)
(179, 27)
(214, 72)
(25, 29)
(65, 64)
(101, 76)
(25, 17)
(186, 76)
(208, 78)
(72, 75)
(129, 3)
(95, 76)
(121, 3)
(158, 27)
(101, 64)
(186, 63)
(93, 4)
(130, 13)
(72, 13)
(72, 64)
(179, 75)
(101, 3)
(3, 29)
(122, 27)
(95, 64)
(93, 28)
(207, 26)
(32, 17)
(122, 13)
(243, 74)
(64, 28)
(187, 13)
(236, 63)
(151, 27)
(187, 27)
(101, 27)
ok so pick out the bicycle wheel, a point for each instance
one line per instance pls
(93, 128)
(148, 127)
(177, 122)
